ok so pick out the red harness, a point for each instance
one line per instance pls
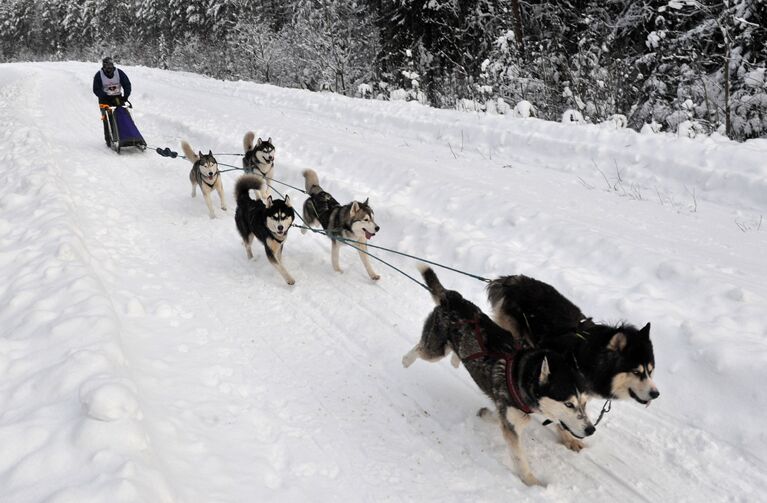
(511, 383)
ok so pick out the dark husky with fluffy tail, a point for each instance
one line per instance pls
(353, 221)
(617, 360)
(519, 380)
(268, 221)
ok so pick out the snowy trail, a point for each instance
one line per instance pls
(233, 387)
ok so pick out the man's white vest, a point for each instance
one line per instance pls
(111, 86)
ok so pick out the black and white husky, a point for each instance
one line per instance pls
(268, 221)
(259, 160)
(520, 380)
(617, 360)
(353, 221)
(204, 174)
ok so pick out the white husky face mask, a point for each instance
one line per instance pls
(279, 216)
(570, 412)
(265, 151)
(363, 222)
(208, 165)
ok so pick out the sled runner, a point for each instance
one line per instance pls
(122, 130)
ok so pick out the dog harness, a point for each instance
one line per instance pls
(509, 358)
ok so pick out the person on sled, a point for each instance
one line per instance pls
(112, 87)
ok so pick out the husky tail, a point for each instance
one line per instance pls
(312, 181)
(189, 152)
(247, 141)
(243, 187)
(436, 288)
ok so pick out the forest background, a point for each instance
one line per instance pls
(671, 65)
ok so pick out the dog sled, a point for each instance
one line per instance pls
(122, 130)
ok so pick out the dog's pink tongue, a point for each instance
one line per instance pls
(368, 235)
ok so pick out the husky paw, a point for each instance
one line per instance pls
(530, 480)
(223, 208)
(408, 359)
(375, 277)
(573, 444)
(212, 216)
(338, 270)
(290, 281)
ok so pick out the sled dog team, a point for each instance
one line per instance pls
(538, 355)
(268, 219)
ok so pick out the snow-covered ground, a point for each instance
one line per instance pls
(143, 359)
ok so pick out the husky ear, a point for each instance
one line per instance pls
(269, 140)
(199, 153)
(355, 208)
(259, 142)
(617, 342)
(210, 152)
(366, 201)
(645, 330)
(544, 377)
(287, 201)
(269, 202)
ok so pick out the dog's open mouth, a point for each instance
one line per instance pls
(368, 235)
(569, 430)
(635, 397)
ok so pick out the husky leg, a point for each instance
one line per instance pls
(361, 249)
(274, 254)
(512, 424)
(209, 202)
(334, 251)
(569, 440)
(194, 189)
(419, 351)
(411, 356)
(248, 249)
(264, 190)
(455, 360)
(220, 190)
(310, 216)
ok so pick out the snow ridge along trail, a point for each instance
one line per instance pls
(144, 359)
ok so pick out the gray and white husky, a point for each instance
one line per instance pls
(520, 380)
(204, 174)
(354, 221)
(259, 160)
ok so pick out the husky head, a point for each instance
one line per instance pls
(207, 164)
(279, 216)
(264, 151)
(363, 221)
(561, 395)
(635, 364)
